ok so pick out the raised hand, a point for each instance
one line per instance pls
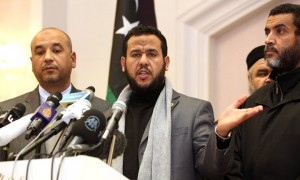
(233, 116)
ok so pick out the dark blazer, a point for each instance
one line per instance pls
(194, 151)
(267, 144)
(31, 100)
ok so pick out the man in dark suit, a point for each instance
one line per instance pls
(169, 135)
(52, 61)
(267, 145)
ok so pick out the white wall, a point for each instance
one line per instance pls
(231, 47)
(19, 21)
(208, 42)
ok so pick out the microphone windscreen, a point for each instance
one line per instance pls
(20, 109)
(55, 98)
(13, 114)
(119, 147)
(102, 151)
(91, 88)
(89, 126)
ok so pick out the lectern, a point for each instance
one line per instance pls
(70, 168)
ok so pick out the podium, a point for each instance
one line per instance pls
(70, 168)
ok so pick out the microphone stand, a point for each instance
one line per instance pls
(43, 139)
(3, 152)
(111, 150)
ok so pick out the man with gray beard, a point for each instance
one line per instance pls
(267, 145)
(258, 71)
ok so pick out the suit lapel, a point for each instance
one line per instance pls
(31, 102)
(74, 90)
(175, 101)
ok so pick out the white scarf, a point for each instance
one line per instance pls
(156, 162)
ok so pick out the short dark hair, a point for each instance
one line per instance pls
(145, 30)
(289, 8)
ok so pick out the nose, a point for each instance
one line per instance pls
(268, 80)
(48, 56)
(269, 40)
(144, 60)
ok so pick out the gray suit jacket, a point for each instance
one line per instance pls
(194, 151)
(31, 100)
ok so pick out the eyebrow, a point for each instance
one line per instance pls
(146, 50)
(53, 45)
(276, 27)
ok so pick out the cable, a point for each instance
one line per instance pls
(61, 134)
(52, 166)
(29, 144)
(29, 161)
(59, 166)
(52, 162)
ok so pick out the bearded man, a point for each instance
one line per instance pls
(267, 145)
(169, 135)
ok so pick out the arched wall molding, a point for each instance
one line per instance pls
(197, 25)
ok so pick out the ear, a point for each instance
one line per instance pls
(73, 58)
(31, 64)
(123, 63)
(249, 75)
(167, 61)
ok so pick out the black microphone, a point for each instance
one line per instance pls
(117, 111)
(103, 151)
(76, 104)
(71, 114)
(13, 114)
(87, 129)
(43, 115)
(74, 111)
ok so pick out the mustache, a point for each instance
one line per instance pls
(270, 48)
(144, 67)
(48, 66)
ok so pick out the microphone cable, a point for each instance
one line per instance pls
(58, 139)
(29, 161)
(59, 166)
(63, 153)
(28, 145)
(54, 155)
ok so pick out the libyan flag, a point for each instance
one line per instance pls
(129, 13)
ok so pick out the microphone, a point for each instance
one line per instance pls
(14, 129)
(71, 98)
(72, 113)
(87, 129)
(105, 149)
(43, 115)
(13, 114)
(117, 111)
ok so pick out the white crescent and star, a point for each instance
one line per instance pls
(126, 24)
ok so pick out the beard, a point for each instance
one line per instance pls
(286, 60)
(155, 85)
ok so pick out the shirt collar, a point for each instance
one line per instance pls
(44, 94)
